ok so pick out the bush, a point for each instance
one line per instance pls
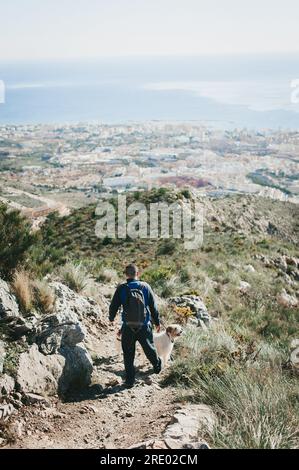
(255, 408)
(170, 287)
(22, 288)
(107, 275)
(15, 240)
(75, 276)
(167, 247)
(244, 383)
(156, 276)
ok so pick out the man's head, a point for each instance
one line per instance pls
(131, 271)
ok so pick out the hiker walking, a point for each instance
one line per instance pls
(139, 310)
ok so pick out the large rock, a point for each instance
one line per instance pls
(8, 302)
(63, 327)
(54, 374)
(195, 304)
(187, 424)
(2, 356)
(59, 330)
(38, 373)
(70, 301)
(78, 369)
(184, 431)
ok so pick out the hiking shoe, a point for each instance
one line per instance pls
(129, 384)
(158, 368)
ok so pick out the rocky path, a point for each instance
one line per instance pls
(106, 415)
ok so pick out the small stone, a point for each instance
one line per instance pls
(249, 268)
(94, 409)
(112, 382)
(159, 445)
(244, 286)
(196, 445)
(17, 429)
(32, 398)
(173, 443)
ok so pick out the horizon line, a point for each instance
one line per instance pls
(151, 56)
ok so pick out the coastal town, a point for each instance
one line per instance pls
(47, 168)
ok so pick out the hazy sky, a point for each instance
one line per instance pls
(33, 29)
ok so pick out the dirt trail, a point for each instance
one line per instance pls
(106, 415)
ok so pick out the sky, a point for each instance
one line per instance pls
(68, 29)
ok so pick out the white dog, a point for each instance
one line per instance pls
(164, 342)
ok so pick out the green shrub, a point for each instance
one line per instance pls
(15, 240)
(167, 247)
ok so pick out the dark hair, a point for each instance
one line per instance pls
(131, 270)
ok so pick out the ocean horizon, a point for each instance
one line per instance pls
(226, 91)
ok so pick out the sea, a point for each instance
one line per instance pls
(253, 91)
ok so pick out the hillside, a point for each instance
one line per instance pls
(244, 279)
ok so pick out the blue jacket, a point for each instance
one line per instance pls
(117, 301)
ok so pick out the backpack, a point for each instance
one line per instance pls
(135, 310)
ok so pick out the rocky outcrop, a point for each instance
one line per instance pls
(49, 375)
(184, 432)
(283, 264)
(8, 302)
(63, 327)
(59, 330)
(195, 304)
(286, 300)
(54, 362)
(70, 301)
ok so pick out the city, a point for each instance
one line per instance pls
(48, 168)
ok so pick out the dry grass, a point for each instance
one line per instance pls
(22, 288)
(75, 276)
(44, 296)
(107, 275)
(245, 383)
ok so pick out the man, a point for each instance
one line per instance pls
(139, 310)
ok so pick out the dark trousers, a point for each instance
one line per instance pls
(145, 337)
